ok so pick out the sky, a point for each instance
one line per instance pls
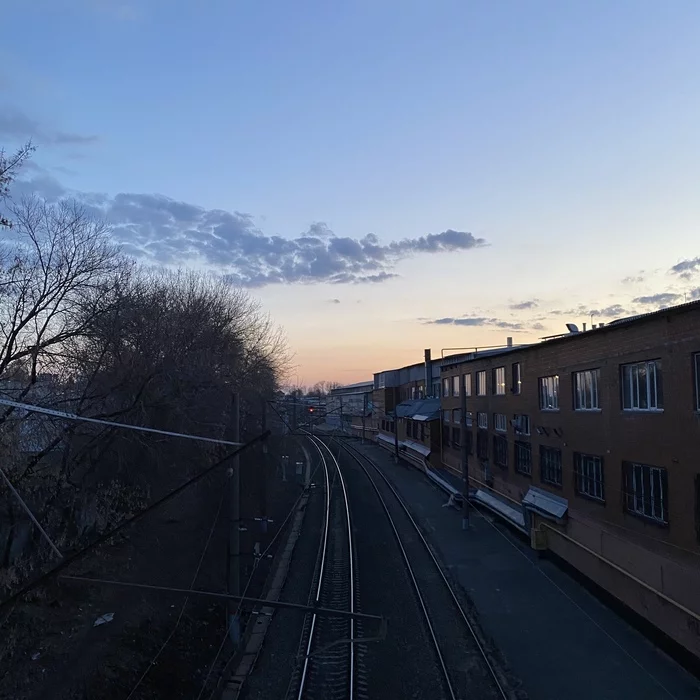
(384, 176)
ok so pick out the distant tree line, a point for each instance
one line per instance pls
(87, 330)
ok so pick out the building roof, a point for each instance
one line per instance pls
(350, 388)
(419, 409)
(617, 324)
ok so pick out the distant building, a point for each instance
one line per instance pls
(346, 406)
(590, 443)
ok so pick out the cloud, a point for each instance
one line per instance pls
(333, 301)
(581, 310)
(161, 230)
(634, 279)
(15, 125)
(479, 321)
(686, 268)
(662, 299)
(523, 305)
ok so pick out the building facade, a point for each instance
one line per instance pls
(349, 407)
(603, 428)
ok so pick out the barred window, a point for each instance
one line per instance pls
(523, 458)
(646, 491)
(500, 450)
(588, 470)
(550, 465)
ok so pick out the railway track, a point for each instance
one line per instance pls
(465, 666)
(327, 668)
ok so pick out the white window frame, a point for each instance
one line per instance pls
(457, 416)
(500, 422)
(517, 385)
(524, 420)
(455, 385)
(650, 384)
(549, 393)
(482, 420)
(481, 383)
(499, 381)
(586, 394)
(638, 499)
(446, 386)
(468, 384)
(588, 472)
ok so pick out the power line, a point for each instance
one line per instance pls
(100, 421)
(134, 518)
(263, 602)
(184, 603)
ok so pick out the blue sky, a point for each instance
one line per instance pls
(563, 134)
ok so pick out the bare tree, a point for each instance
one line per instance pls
(9, 167)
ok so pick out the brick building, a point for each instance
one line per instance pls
(405, 415)
(591, 443)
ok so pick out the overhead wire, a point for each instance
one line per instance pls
(67, 560)
(187, 598)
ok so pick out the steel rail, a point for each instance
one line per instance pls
(358, 457)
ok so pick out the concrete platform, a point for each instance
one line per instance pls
(555, 635)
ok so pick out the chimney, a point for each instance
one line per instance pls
(428, 374)
(584, 327)
(600, 325)
(593, 326)
(509, 342)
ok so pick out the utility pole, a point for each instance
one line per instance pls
(465, 452)
(234, 547)
(340, 398)
(364, 413)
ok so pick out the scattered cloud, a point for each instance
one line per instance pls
(686, 268)
(478, 321)
(161, 230)
(633, 279)
(581, 310)
(333, 301)
(523, 305)
(694, 294)
(15, 125)
(661, 299)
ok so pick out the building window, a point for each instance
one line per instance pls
(446, 386)
(521, 424)
(646, 491)
(455, 385)
(517, 381)
(436, 390)
(641, 386)
(549, 393)
(499, 381)
(696, 366)
(467, 384)
(586, 390)
(457, 416)
(422, 432)
(446, 435)
(383, 424)
(550, 465)
(500, 450)
(523, 458)
(456, 442)
(500, 422)
(482, 420)
(697, 506)
(588, 470)
(482, 444)
(446, 415)
(481, 383)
